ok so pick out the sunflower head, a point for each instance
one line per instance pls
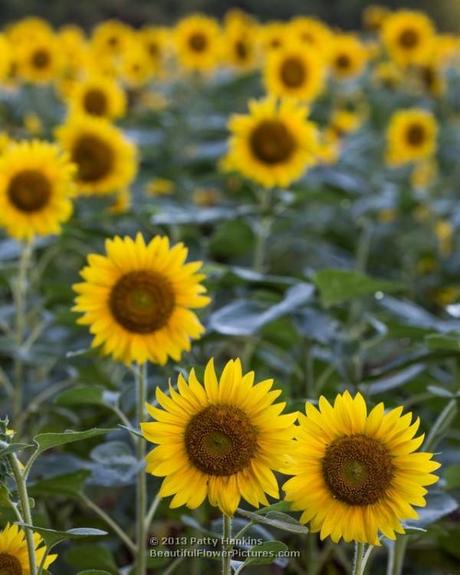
(374, 16)
(408, 36)
(106, 161)
(348, 57)
(36, 189)
(98, 96)
(311, 33)
(40, 60)
(411, 136)
(228, 437)
(14, 556)
(357, 474)
(137, 299)
(197, 41)
(275, 144)
(292, 71)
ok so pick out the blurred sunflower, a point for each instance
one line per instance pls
(155, 40)
(98, 96)
(374, 16)
(136, 68)
(411, 136)
(275, 143)
(348, 57)
(137, 299)
(39, 61)
(28, 30)
(111, 37)
(122, 202)
(273, 35)
(5, 57)
(408, 36)
(295, 72)
(197, 40)
(220, 440)
(14, 555)
(106, 161)
(241, 45)
(36, 187)
(388, 74)
(357, 474)
(431, 78)
(312, 33)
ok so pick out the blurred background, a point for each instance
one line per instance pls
(344, 13)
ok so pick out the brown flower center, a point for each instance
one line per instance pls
(198, 42)
(10, 565)
(93, 156)
(95, 102)
(41, 58)
(220, 440)
(409, 38)
(343, 61)
(142, 301)
(29, 191)
(357, 469)
(241, 50)
(271, 142)
(293, 72)
(415, 135)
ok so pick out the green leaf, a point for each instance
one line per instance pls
(443, 342)
(452, 477)
(46, 441)
(82, 395)
(276, 519)
(70, 484)
(264, 553)
(53, 537)
(91, 557)
(337, 286)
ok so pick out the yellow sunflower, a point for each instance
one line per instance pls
(273, 36)
(98, 96)
(220, 440)
(39, 61)
(106, 161)
(5, 57)
(374, 16)
(136, 68)
(242, 45)
(312, 33)
(111, 37)
(357, 474)
(14, 556)
(36, 186)
(274, 144)
(408, 36)
(295, 72)
(197, 41)
(348, 57)
(155, 40)
(411, 136)
(137, 299)
(27, 30)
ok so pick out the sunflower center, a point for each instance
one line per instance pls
(153, 49)
(415, 135)
(29, 191)
(95, 102)
(272, 142)
(408, 38)
(293, 72)
(343, 61)
(10, 565)
(94, 158)
(198, 42)
(241, 49)
(40, 58)
(357, 469)
(220, 440)
(142, 301)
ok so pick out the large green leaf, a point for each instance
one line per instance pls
(46, 441)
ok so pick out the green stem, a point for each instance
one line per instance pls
(20, 300)
(25, 510)
(151, 512)
(141, 495)
(312, 557)
(263, 230)
(226, 545)
(358, 567)
(441, 425)
(396, 556)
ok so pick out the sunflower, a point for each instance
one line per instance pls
(39, 61)
(137, 299)
(197, 41)
(155, 40)
(14, 556)
(105, 159)
(136, 68)
(5, 57)
(98, 96)
(27, 30)
(273, 36)
(348, 57)
(374, 16)
(36, 186)
(312, 33)
(241, 42)
(274, 144)
(111, 37)
(355, 474)
(295, 72)
(408, 36)
(411, 136)
(220, 440)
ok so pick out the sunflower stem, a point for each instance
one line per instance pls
(358, 564)
(263, 230)
(141, 493)
(396, 556)
(25, 510)
(20, 295)
(227, 545)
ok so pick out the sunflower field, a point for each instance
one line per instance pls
(230, 297)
